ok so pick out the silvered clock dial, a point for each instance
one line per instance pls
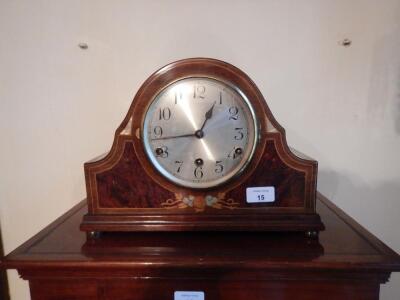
(199, 132)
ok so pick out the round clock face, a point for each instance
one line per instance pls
(199, 132)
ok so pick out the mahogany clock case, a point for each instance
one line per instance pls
(126, 193)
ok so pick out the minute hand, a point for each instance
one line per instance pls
(173, 137)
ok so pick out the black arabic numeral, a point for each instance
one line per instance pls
(158, 131)
(218, 166)
(199, 91)
(178, 96)
(164, 114)
(162, 152)
(179, 163)
(236, 152)
(198, 172)
(233, 111)
(239, 136)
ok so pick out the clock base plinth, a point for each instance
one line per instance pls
(308, 223)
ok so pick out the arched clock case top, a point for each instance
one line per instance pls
(125, 192)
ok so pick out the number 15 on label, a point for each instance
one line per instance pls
(260, 194)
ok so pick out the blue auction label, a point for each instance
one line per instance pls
(260, 194)
(188, 295)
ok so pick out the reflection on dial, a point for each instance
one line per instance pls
(199, 132)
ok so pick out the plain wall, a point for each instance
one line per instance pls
(60, 105)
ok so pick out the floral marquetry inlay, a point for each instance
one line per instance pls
(200, 203)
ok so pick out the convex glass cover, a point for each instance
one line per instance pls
(199, 132)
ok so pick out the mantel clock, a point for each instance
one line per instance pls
(199, 150)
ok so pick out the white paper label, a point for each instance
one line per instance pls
(260, 194)
(188, 295)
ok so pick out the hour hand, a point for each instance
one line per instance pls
(207, 116)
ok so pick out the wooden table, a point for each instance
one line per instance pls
(346, 262)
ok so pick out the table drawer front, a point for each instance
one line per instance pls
(64, 289)
(238, 290)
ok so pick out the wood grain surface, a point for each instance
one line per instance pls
(346, 262)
